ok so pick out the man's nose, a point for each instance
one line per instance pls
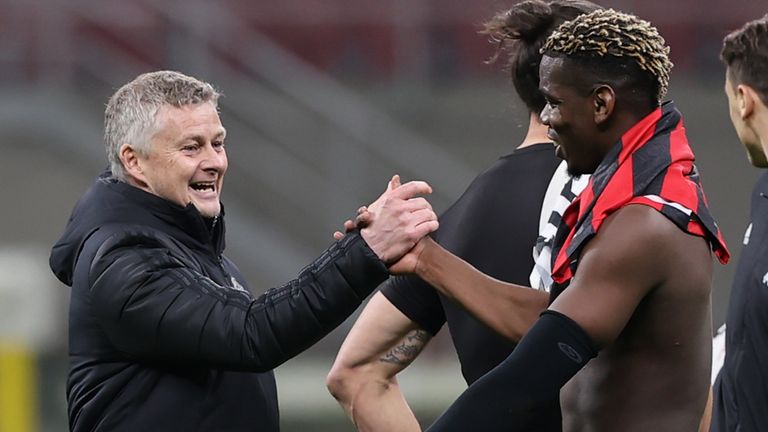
(544, 115)
(214, 158)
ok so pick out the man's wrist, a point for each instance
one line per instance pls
(425, 262)
(370, 240)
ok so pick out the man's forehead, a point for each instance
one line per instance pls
(565, 72)
(189, 121)
(167, 109)
(203, 131)
(548, 64)
(202, 112)
(551, 71)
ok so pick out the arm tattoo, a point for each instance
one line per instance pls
(408, 349)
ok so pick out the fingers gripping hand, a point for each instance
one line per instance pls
(393, 183)
(410, 261)
(398, 219)
(365, 217)
(350, 225)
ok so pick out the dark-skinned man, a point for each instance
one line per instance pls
(632, 260)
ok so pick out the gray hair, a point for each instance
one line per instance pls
(130, 116)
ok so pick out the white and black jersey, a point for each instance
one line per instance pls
(562, 190)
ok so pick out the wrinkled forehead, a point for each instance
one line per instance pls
(189, 120)
(190, 114)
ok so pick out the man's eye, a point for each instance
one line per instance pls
(190, 147)
(218, 144)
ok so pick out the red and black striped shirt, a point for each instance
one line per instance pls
(653, 165)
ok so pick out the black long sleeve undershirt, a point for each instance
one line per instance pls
(529, 380)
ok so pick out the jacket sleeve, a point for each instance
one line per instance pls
(153, 306)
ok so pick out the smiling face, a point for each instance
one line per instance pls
(186, 162)
(570, 116)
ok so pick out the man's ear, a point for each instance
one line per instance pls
(604, 100)
(132, 162)
(745, 100)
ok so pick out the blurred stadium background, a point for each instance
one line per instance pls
(324, 100)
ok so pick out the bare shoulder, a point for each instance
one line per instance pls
(635, 242)
(641, 226)
(644, 235)
(636, 251)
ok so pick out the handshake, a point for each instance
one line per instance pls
(395, 225)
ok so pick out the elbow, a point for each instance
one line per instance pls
(341, 383)
(537, 304)
(515, 327)
(515, 333)
(350, 384)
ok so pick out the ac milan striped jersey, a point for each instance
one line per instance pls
(652, 164)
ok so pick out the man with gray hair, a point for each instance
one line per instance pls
(163, 332)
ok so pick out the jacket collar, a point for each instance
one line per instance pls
(187, 220)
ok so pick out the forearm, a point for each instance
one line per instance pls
(163, 309)
(507, 308)
(706, 418)
(382, 343)
(518, 395)
(285, 321)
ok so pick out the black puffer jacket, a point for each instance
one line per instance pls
(162, 334)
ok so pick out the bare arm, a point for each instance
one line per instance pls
(382, 342)
(706, 419)
(507, 308)
(632, 254)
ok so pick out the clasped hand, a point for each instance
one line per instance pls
(394, 223)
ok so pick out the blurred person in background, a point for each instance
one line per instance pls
(632, 259)
(493, 226)
(741, 388)
(163, 331)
